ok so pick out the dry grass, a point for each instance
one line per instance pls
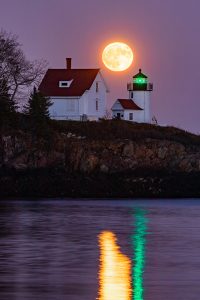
(118, 129)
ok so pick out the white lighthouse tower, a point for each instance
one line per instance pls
(137, 108)
(140, 92)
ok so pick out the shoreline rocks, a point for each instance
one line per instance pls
(72, 167)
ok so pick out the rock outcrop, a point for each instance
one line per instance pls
(81, 155)
(83, 167)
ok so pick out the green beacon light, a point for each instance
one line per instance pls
(140, 78)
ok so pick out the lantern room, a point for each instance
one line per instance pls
(140, 83)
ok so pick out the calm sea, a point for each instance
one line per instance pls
(105, 250)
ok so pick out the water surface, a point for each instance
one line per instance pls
(105, 250)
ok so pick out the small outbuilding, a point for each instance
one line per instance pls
(125, 109)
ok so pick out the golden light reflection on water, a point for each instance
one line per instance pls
(115, 270)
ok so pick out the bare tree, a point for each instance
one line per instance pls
(18, 72)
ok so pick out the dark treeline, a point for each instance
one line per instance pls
(34, 117)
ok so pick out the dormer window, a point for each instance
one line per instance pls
(65, 83)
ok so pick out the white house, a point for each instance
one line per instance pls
(76, 94)
(137, 107)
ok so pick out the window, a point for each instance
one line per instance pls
(97, 87)
(131, 116)
(65, 83)
(97, 105)
(132, 95)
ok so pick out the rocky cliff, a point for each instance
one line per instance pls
(68, 164)
(73, 153)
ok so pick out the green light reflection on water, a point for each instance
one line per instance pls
(139, 242)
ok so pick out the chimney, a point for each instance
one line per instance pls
(68, 63)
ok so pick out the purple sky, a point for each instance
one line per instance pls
(164, 36)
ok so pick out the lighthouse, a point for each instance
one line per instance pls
(137, 108)
(140, 92)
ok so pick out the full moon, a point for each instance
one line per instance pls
(117, 56)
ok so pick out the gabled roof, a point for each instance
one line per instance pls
(82, 81)
(140, 75)
(129, 104)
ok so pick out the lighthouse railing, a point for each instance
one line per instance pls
(136, 87)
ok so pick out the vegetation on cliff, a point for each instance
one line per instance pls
(119, 129)
(102, 130)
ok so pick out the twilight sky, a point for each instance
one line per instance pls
(164, 36)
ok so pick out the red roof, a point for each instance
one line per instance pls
(129, 104)
(82, 81)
